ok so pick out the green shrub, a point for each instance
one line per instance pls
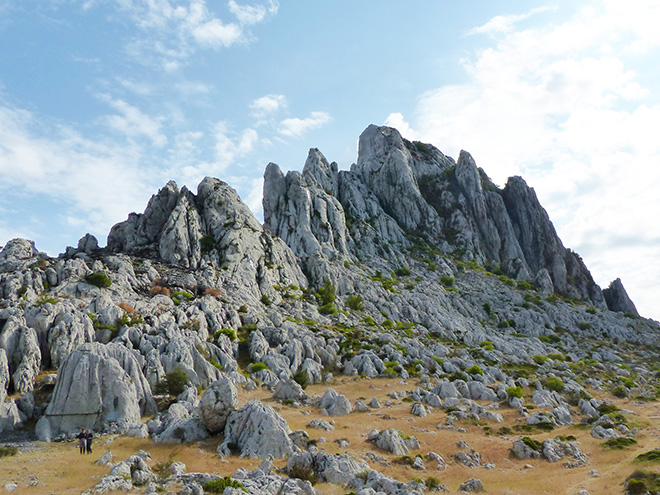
(8, 451)
(607, 408)
(174, 382)
(619, 443)
(225, 331)
(254, 367)
(388, 323)
(207, 243)
(474, 370)
(507, 281)
(539, 359)
(524, 285)
(327, 292)
(651, 456)
(642, 483)
(583, 325)
(402, 272)
(369, 321)
(355, 303)
(447, 281)
(532, 444)
(99, 279)
(432, 483)
(553, 383)
(219, 485)
(328, 309)
(301, 378)
(591, 310)
(486, 345)
(621, 392)
(265, 300)
(514, 392)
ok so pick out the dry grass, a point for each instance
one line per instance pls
(126, 307)
(60, 469)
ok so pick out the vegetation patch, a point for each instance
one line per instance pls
(174, 383)
(219, 485)
(643, 482)
(619, 443)
(651, 456)
(8, 451)
(99, 279)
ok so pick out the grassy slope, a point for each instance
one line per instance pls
(60, 469)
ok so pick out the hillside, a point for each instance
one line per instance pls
(411, 279)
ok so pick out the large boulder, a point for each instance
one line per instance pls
(256, 430)
(98, 386)
(336, 469)
(217, 403)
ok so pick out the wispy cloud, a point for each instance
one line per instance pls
(170, 32)
(131, 123)
(50, 161)
(506, 23)
(296, 127)
(267, 105)
(561, 105)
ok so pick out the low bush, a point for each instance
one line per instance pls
(651, 456)
(619, 443)
(553, 383)
(301, 378)
(514, 392)
(328, 309)
(8, 451)
(174, 382)
(219, 485)
(402, 272)
(99, 279)
(355, 303)
(447, 281)
(225, 331)
(254, 367)
(642, 483)
(475, 370)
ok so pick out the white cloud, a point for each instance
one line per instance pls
(215, 34)
(100, 183)
(296, 127)
(561, 105)
(397, 121)
(248, 14)
(266, 105)
(131, 122)
(170, 32)
(506, 23)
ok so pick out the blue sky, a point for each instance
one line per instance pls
(103, 101)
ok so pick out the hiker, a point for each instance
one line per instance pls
(89, 437)
(82, 440)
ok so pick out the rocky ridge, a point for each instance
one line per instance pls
(411, 264)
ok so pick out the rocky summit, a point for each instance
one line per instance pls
(412, 267)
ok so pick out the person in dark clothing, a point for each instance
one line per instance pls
(89, 436)
(82, 440)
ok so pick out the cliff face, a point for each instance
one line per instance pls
(390, 262)
(399, 191)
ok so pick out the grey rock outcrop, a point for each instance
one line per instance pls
(337, 469)
(98, 385)
(256, 430)
(217, 403)
(617, 298)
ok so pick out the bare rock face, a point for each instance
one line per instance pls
(217, 403)
(256, 430)
(98, 385)
(617, 298)
(23, 355)
(543, 248)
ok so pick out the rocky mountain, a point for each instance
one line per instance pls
(411, 264)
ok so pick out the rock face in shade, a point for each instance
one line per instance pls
(617, 298)
(98, 386)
